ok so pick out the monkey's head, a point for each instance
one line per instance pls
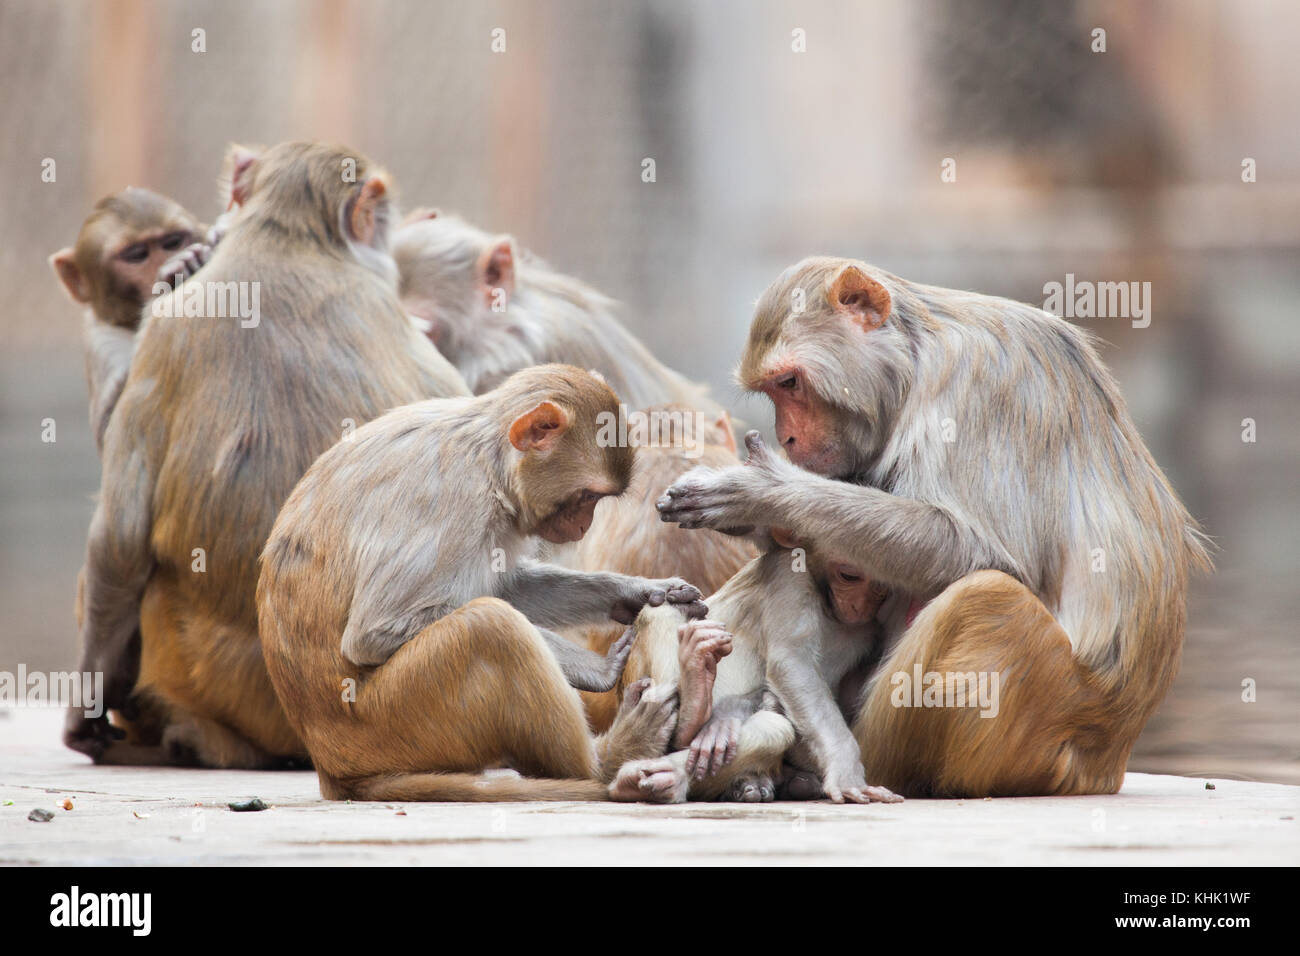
(452, 275)
(331, 195)
(122, 244)
(561, 423)
(828, 348)
(850, 596)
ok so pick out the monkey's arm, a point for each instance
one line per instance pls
(108, 349)
(118, 565)
(551, 596)
(807, 700)
(912, 545)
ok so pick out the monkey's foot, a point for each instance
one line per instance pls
(650, 781)
(700, 645)
(751, 788)
(799, 784)
(642, 727)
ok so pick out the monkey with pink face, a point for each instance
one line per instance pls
(985, 542)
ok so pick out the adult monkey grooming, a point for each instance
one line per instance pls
(493, 309)
(1003, 531)
(406, 629)
(215, 425)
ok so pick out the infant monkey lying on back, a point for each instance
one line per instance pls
(800, 623)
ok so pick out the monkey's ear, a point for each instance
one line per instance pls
(419, 215)
(64, 264)
(539, 428)
(238, 173)
(723, 425)
(496, 267)
(364, 219)
(864, 299)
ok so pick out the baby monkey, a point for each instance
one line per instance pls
(801, 626)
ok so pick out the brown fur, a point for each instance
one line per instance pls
(215, 425)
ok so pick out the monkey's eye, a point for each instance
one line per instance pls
(137, 252)
(175, 240)
(848, 577)
(789, 383)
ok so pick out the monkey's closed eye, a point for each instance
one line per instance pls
(175, 240)
(788, 383)
(137, 252)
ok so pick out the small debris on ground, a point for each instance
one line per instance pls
(1208, 785)
(251, 805)
(67, 803)
(40, 815)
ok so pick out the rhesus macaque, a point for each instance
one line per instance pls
(492, 308)
(407, 628)
(626, 535)
(219, 418)
(973, 455)
(130, 241)
(797, 623)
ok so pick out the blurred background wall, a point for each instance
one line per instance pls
(1123, 165)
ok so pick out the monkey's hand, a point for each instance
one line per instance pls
(714, 746)
(185, 263)
(847, 781)
(727, 499)
(638, 592)
(700, 645)
(89, 735)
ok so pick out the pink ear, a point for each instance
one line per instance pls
(64, 264)
(364, 219)
(864, 299)
(539, 428)
(496, 267)
(239, 160)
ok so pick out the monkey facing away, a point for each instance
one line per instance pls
(626, 535)
(407, 629)
(130, 240)
(219, 418)
(1042, 544)
(493, 309)
(797, 623)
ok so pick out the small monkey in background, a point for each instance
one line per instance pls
(407, 628)
(626, 535)
(798, 624)
(1035, 539)
(493, 309)
(130, 241)
(215, 425)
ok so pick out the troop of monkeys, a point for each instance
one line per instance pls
(474, 596)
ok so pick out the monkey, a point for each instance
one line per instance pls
(799, 622)
(130, 241)
(1040, 544)
(626, 535)
(219, 418)
(408, 628)
(493, 308)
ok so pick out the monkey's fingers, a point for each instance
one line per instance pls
(882, 795)
(757, 448)
(632, 693)
(683, 593)
(724, 746)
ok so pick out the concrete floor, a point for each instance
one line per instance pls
(126, 816)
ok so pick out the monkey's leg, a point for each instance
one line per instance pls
(474, 690)
(764, 738)
(1040, 729)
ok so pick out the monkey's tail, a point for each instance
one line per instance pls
(462, 788)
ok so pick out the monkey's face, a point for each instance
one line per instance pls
(570, 521)
(132, 260)
(854, 597)
(807, 426)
